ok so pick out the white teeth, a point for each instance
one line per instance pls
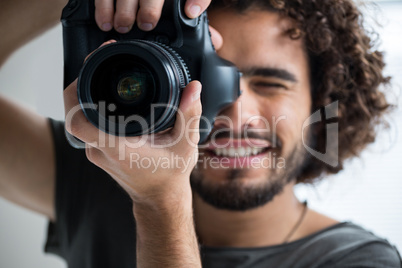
(231, 152)
(242, 152)
(255, 151)
(239, 152)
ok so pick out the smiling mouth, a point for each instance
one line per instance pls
(238, 151)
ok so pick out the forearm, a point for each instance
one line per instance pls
(23, 20)
(166, 235)
(26, 159)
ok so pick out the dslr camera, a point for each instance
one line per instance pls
(133, 87)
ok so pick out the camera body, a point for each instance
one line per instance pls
(139, 78)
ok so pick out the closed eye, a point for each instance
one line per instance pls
(266, 85)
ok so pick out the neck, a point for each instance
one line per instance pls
(263, 226)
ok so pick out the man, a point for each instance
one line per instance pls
(295, 58)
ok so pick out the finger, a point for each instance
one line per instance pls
(104, 14)
(188, 116)
(216, 37)
(194, 8)
(100, 159)
(94, 155)
(76, 122)
(149, 14)
(125, 15)
(97, 157)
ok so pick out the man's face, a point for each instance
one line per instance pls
(255, 147)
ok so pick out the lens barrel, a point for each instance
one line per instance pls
(132, 88)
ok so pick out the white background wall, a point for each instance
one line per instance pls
(368, 192)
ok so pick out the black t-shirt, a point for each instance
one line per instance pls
(95, 228)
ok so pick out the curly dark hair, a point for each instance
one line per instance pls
(345, 67)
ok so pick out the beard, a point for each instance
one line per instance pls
(234, 194)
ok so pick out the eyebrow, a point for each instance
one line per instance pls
(270, 72)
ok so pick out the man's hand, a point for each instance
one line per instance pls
(145, 12)
(134, 162)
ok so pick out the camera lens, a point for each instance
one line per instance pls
(135, 85)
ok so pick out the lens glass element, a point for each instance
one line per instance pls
(132, 87)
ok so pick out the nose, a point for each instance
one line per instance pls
(243, 114)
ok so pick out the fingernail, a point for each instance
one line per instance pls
(146, 26)
(194, 11)
(123, 29)
(106, 26)
(196, 95)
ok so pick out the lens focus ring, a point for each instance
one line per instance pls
(183, 72)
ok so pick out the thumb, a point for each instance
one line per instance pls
(188, 116)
